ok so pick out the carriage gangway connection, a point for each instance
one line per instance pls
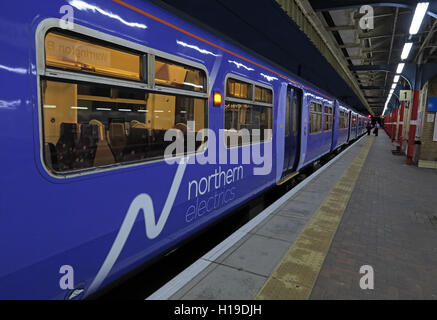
(364, 226)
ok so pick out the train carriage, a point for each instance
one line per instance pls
(84, 112)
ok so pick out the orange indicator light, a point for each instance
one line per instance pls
(217, 99)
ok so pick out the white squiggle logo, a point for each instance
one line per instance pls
(153, 229)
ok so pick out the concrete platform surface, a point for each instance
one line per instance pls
(366, 208)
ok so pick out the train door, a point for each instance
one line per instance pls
(349, 121)
(293, 109)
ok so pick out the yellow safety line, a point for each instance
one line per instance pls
(289, 177)
(297, 272)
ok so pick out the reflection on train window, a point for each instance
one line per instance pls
(239, 89)
(250, 117)
(179, 76)
(328, 119)
(69, 53)
(263, 95)
(315, 117)
(255, 115)
(343, 120)
(93, 125)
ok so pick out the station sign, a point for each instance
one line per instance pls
(405, 95)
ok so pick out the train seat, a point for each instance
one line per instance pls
(137, 143)
(157, 143)
(51, 156)
(117, 140)
(104, 154)
(86, 146)
(66, 146)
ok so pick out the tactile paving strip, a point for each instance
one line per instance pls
(296, 274)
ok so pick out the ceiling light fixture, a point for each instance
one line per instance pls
(419, 14)
(406, 50)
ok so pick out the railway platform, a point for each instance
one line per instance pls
(365, 217)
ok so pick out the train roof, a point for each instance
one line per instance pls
(228, 40)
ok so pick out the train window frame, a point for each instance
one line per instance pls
(147, 84)
(310, 113)
(251, 102)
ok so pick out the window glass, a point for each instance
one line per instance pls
(287, 116)
(250, 117)
(94, 125)
(171, 74)
(328, 119)
(354, 121)
(239, 89)
(263, 95)
(343, 120)
(315, 117)
(295, 111)
(78, 55)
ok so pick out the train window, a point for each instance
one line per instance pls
(93, 125)
(68, 53)
(239, 89)
(171, 74)
(287, 116)
(250, 117)
(253, 115)
(89, 125)
(343, 120)
(294, 116)
(315, 117)
(263, 95)
(328, 119)
(354, 121)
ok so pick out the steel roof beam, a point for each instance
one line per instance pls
(379, 67)
(339, 28)
(323, 5)
(375, 88)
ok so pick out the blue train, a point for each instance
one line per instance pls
(89, 90)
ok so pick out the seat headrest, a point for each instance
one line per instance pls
(68, 130)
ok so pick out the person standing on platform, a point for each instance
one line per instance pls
(377, 126)
(369, 128)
